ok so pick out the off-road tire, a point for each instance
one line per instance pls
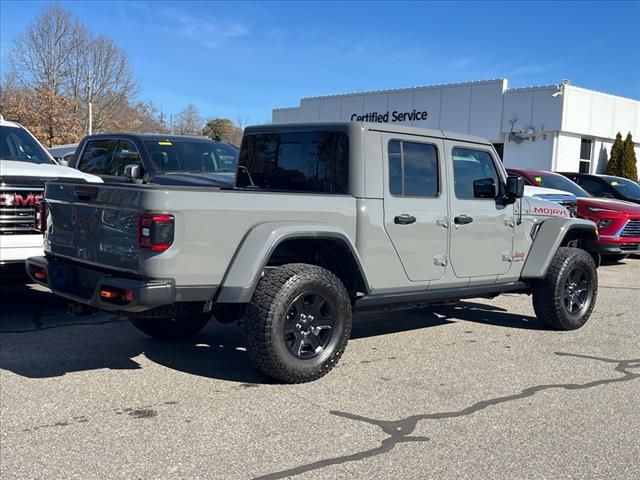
(549, 292)
(264, 321)
(171, 322)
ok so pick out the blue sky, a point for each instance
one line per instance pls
(233, 59)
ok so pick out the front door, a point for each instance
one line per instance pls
(415, 204)
(482, 229)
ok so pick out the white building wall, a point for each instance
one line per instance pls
(529, 154)
(567, 158)
(474, 108)
(596, 114)
(534, 108)
(558, 116)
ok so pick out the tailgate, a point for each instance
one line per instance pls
(96, 224)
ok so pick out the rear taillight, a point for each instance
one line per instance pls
(155, 231)
(41, 216)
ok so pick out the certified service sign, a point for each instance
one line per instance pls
(388, 116)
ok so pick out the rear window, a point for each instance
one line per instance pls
(315, 162)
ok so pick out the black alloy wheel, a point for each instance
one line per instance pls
(577, 291)
(309, 325)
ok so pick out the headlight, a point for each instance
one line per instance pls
(603, 224)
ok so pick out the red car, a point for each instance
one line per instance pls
(618, 221)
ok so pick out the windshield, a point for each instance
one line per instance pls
(17, 144)
(193, 156)
(626, 188)
(559, 182)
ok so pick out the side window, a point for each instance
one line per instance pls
(594, 187)
(314, 161)
(413, 169)
(470, 165)
(97, 155)
(125, 154)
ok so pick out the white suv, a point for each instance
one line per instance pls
(25, 167)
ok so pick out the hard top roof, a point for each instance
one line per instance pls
(380, 127)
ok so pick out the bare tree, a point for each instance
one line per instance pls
(58, 56)
(189, 121)
(40, 57)
(102, 75)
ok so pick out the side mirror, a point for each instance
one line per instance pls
(515, 187)
(132, 171)
(64, 163)
(484, 188)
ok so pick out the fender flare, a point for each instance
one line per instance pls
(259, 243)
(548, 238)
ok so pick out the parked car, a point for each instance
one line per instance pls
(323, 219)
(63, 153)
(607, 186)
(157, 159)
(25, 167)
(618, 221)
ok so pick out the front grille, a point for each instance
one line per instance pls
(18, 210)
(631, 229)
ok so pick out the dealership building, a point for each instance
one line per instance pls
(553, 127)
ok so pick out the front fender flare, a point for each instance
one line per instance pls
(549, 237)
(252, 255)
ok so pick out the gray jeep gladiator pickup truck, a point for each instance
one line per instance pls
(323, 219)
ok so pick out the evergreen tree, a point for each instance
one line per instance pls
(629, 162)
(614, 165)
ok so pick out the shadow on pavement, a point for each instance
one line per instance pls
(38, 339)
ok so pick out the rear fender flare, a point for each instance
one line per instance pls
(255, 250)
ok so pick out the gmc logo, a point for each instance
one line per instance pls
(17, 200)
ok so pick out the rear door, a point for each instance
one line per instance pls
(482, 229)
(415, 204)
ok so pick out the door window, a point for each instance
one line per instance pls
(125, 154)
(413, 169)
(594, 187)
(97, 155)
(470, 165)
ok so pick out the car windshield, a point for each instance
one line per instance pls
(559, 182)
(195, 156)
(17, 144)
(625, 187)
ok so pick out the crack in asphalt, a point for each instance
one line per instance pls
(399, 431)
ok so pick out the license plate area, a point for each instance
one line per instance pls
(74, 280)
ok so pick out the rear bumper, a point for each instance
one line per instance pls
(17, 248)
(83, 285)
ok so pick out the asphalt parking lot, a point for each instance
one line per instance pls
(475, 390)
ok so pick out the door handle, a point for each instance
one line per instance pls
(404, 219)
(462, 220)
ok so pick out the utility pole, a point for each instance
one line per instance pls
(89, 98)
